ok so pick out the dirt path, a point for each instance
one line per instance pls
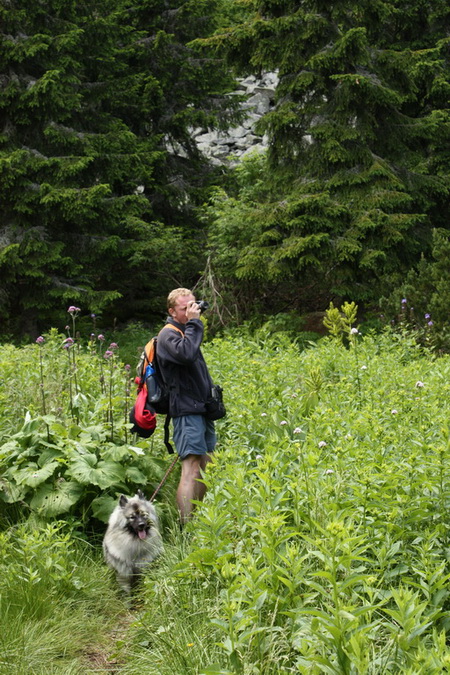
(106, 657)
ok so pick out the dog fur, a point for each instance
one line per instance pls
(132, 539)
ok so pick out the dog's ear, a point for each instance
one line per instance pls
(140, 494)
(123, 500)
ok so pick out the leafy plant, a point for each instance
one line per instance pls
(76, 457)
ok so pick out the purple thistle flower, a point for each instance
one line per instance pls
(128, 367)
(40, 340)
(73, 310)
(108, 354)
(114, 345)
(404, 301)
(101, 338)
(427, 316)
(430, 323)
(69, 341)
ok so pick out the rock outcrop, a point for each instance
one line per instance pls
(230, 147)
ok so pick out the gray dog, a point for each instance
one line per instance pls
(132, 540)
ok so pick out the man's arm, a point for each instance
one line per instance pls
(182, 349)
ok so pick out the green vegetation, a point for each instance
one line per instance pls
(321, 547)
(99, 174)
(356, 177)
(107, 201)
(57, 605)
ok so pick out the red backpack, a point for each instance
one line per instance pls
(152, 394)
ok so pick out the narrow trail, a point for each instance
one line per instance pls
(105, 658)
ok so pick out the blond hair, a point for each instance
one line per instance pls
(175, 294)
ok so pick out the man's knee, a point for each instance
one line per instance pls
(192, 466)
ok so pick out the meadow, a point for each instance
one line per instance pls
(322, 545)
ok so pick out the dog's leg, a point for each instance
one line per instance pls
(124, 581)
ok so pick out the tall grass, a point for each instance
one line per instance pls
(57, 603)
(322, 544)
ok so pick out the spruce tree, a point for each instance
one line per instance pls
(99, 175)
(358, 165)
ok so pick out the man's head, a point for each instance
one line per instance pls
(181, 305)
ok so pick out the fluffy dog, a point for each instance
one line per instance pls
(132, 539)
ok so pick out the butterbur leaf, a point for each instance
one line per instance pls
(48, 455)
(11, 493)
(82, 467)
(33, 476)
(53, 501)
(135, 476)
(102, 507)
(9, 449)
(104, 474)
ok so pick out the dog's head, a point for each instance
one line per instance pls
(139, 514)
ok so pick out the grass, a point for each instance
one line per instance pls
(57, 602)
(321, 547)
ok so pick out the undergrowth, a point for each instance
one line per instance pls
(322, 544)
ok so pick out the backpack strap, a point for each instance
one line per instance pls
(170, 325)
(149, 348)
(167, 443)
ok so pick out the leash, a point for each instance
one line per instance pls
(164, 479)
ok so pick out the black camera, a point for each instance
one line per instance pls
(202, 305)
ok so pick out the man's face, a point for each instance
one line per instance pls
(179, 311)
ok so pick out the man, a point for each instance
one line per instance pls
(185, 372)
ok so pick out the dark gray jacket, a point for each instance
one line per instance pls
(183, 367)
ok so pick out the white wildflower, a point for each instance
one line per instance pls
(298, 430)
(419, 384)
(394, 411)
(354, 331)
(328, 472)
(283, 423)
(322, 444)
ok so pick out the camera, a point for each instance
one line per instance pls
(202, 305)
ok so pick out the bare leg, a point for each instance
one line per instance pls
(190, 487)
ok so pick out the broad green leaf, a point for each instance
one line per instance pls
(134, 475)
(102, 507)
(51, 501)
(33, 476)
(11, 492)
(104, 473)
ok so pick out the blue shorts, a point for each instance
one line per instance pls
(193, 435)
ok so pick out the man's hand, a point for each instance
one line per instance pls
(192, 310)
